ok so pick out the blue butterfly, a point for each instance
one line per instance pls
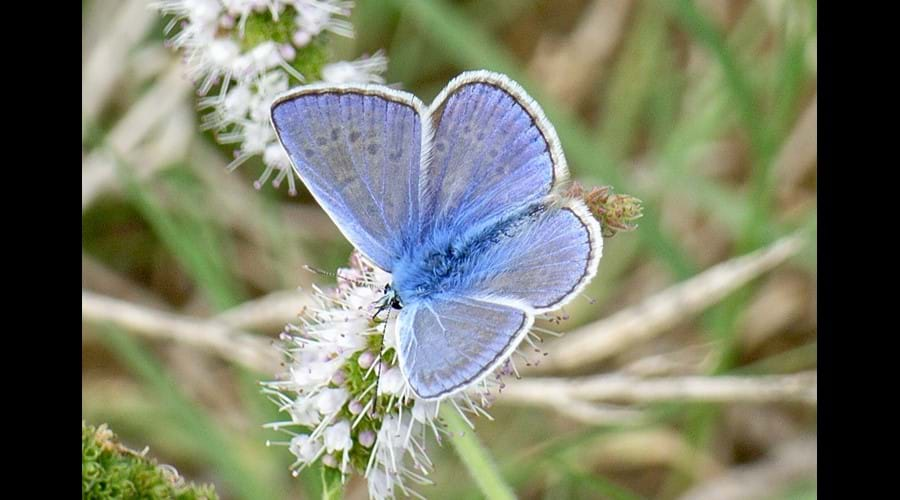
(459, 201)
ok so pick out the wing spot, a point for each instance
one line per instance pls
(354, 136)
(440, 147)
(321, 141)
(334, 134)
(396, 155)
(372, 149)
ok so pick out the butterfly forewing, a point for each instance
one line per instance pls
(357, 150)
(491, 154)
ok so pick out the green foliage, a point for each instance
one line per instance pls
(311, 58)
(260, 28)
(332, 489)
(475, 457)
(219, 447)
(110, 470)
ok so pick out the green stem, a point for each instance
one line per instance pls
(477, 460)
(332, 488)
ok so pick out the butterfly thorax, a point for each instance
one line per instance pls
(447, 261)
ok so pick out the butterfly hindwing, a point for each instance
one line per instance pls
(546, 262)
(448, 342)
(358, 151)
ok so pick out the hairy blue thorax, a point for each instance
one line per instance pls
(449, 259)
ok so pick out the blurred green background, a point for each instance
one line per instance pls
(706, 110)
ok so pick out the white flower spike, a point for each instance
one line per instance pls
(226, 46)
(349, 418)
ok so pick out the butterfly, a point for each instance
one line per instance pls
(460, 201)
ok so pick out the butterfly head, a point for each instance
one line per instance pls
(390, 300)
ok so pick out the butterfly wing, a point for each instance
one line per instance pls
(448, 342)
(358, 151)
(546, 262)
(451, 341)
(493, 152)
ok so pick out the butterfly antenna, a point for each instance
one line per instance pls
(318, 271)
(588, 298)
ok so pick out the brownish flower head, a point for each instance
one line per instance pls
(616, 212)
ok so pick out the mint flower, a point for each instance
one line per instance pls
(242, 53)
(366, 70)
(348, 404)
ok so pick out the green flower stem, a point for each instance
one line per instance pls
(479, 463)
(332, 489)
